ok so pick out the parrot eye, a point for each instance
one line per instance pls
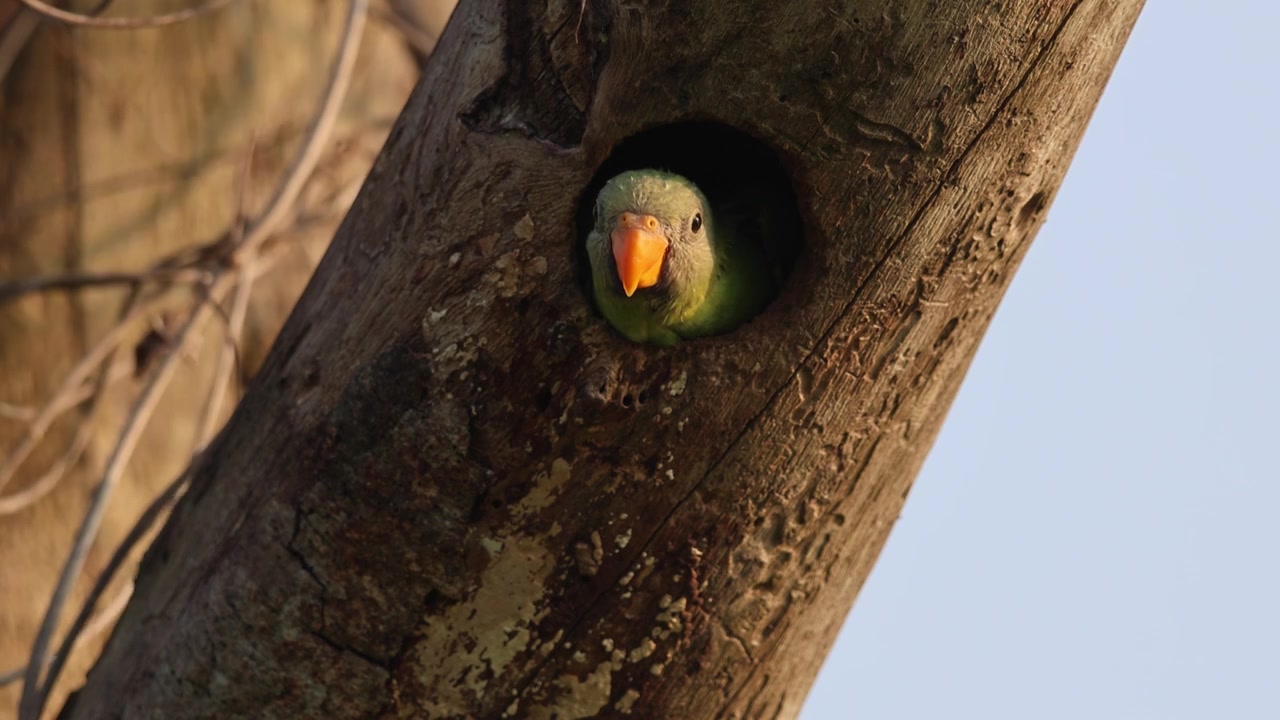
(696, 225)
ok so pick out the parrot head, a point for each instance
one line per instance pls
(652, 230)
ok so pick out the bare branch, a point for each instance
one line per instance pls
(86, 623)
(124, 23)
(317, 133)
(15, 35)
(228, 359)
(21, 500)
(21, 413)
(34, 693)
(82, 625)
(73, 386)
(167, 172)
(80, 281)
(32, 702)
(25, 414)
(88, 627)
(229, 356)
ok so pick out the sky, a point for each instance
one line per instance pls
(1094, 534)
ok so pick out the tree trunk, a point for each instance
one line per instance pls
(453, 491)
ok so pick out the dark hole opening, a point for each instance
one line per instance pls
(730, 167)
(543, 399)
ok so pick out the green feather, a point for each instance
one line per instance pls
(712, 281)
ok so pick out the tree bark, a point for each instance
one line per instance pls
(453, 491)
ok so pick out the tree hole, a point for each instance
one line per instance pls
(744, 180)
(543, 399)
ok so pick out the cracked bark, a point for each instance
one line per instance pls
(453, 492)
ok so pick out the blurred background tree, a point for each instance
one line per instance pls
(128, 157)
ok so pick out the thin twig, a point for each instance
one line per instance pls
(162, 504)
(20, 413)
(79, 281)
(229, 356)
(82, 624)
(105, 619)
(32, 702)
(186, 258)
(12, 676)
(35, 694)
(45, 484)
(25, 413)
(72, 385)
(253, 236)
(15, 36)
(317, 133)
(121, 23)
(92, 627)
(139, 179)
(228, 359)
(21, 500)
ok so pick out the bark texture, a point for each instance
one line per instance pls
(453, 492)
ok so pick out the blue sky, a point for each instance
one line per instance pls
(1094, 535)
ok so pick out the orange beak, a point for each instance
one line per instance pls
(638, 247)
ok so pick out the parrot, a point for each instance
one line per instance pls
(667, 267)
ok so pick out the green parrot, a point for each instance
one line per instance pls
(666, 267)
